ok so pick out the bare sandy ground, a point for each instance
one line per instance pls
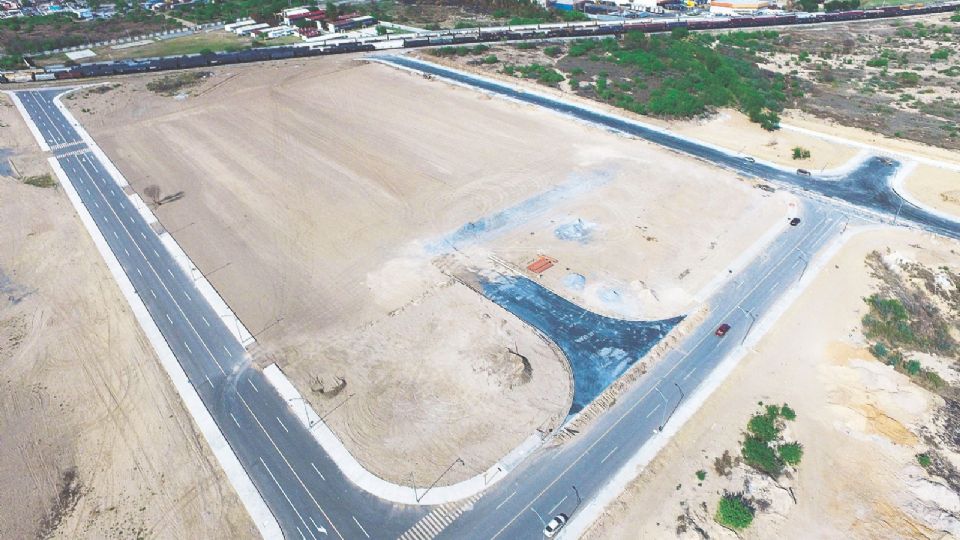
(327, 194)
(935, 187)
(860, 422)
(95, 441)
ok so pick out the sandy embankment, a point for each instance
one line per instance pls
(321, 192)
(860, 422)
(935, 187)
(81, 392)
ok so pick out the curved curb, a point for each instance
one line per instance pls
(366, 480)
(898, 185)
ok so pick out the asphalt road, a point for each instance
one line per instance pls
(304, 489)
(301, 485)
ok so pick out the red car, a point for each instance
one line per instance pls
(722, 330)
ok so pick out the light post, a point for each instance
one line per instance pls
(806, 262)
(665, 403)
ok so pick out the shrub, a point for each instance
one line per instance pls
(791, 453)
(734, 512)
(879, 350)
(908, 78)
(701, 475)
(787, 412)
(800, 152)
(723, 464)
(491, 59)
(760, 456)
(553, 51)
(924, 460)
(912, 367)
(763, 427)
(941, 54)
(877, 62)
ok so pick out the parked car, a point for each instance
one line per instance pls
(722, 330)
(794, 222)
(749, 159)
(555, 525)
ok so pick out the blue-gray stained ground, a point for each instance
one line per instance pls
(598, 348)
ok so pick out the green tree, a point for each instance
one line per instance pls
(331, 9)
(734, 512)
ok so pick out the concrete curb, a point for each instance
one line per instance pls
(618, 483)
(898, 187)
(26, 117)
(364, 479)
(247, 493)
(826, 174)
(205, 288)
(881, 151)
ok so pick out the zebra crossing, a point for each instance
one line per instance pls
(432, 524)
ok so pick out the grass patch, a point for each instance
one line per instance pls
(542, 74)
(170, 85)
(41, 181)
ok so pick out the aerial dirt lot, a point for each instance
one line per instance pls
(862, 424)
(325, 200)
(935, 187)
(95, 441)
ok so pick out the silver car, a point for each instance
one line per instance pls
(555, 525)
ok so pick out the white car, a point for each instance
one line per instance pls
(555, 525)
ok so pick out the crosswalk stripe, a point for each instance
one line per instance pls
(434, 523)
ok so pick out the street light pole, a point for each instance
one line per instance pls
(665, 403)
(534, 510)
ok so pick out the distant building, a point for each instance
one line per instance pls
(737, 7)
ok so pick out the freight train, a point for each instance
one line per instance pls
(461, 37)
